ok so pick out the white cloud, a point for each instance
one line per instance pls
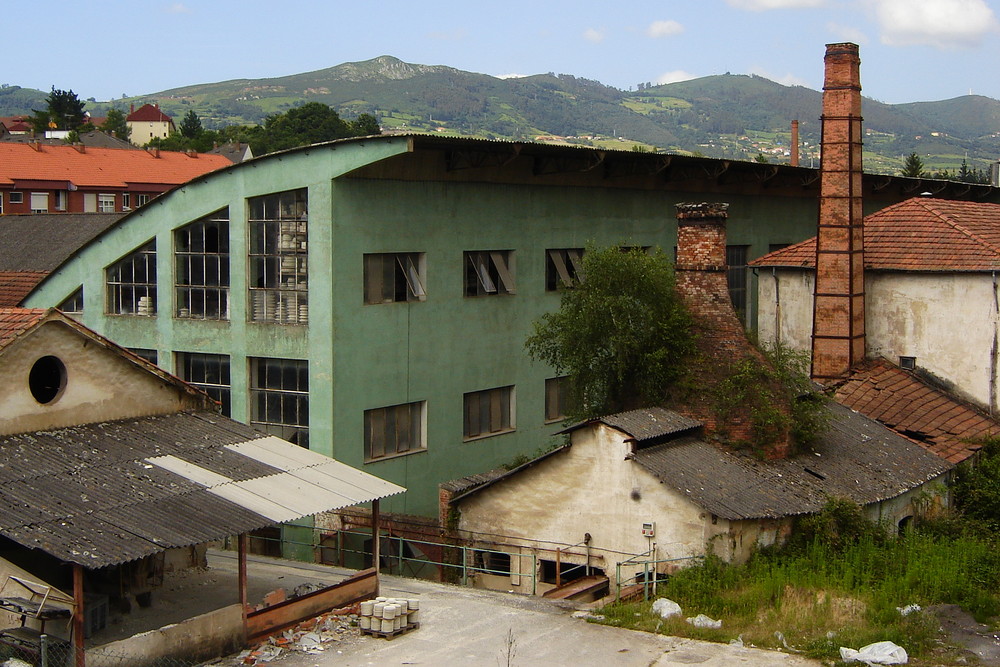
(594, 35)
(765, 5)
(939, 23)
(674, 77)
(178, 8)
(846, 33)
(658, 29)
(785, 79)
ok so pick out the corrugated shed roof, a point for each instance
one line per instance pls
(919, 234)
(650, 423)
(857, 458)
(939, 422)
(15, 285)
(106, 493)
(16, 321)
(43, 241)
(97, 167)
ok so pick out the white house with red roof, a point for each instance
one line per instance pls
(148, 122)
(44, 178)
(931, 293)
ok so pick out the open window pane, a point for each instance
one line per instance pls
(201, 253)
(489, 273)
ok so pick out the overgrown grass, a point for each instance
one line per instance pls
(821, 596)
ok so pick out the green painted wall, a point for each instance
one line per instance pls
(368, 356)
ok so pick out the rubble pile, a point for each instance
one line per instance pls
(314, 636)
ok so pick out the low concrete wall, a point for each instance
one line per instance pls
(210, 635)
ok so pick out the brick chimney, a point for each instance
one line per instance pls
(794, 161)
(838, 340)
(703, 286)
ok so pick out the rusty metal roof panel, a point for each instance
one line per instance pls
(106, 493)
(857, 458)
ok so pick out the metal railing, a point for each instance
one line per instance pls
(650, 573)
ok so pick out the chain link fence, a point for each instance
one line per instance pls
(55, 652)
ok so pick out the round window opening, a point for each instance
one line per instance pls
(47, 379)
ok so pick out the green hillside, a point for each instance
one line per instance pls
(735, 116)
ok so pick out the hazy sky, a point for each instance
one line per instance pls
(911, 50)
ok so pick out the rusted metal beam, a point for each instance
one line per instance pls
(79, 650)
(241, 548)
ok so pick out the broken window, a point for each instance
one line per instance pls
(493, 562)
(392, 277)
(489, 412)
(106, 203)
(131, 283)
(393, 430)
(39, 202)
(736, 261)
(555, 399)
(201, 252)
(278, 258)
(489, 272)
(73, 304)
(208, 372)
(279, 398)
(563, 268)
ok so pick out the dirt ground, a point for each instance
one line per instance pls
(962, 630)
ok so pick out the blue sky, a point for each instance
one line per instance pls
(911, 50)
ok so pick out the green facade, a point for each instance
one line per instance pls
(439, 198)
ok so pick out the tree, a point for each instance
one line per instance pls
(114, 124)
(913, 167)
(621, 335)
(191, 125)
(365, 125)
(64, 111)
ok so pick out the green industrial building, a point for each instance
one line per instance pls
(369, 298)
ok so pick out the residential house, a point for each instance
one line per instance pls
(148, 122)
(43, 178)
(111, 470)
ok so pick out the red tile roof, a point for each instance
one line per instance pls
(16, 321)
(919, 234)
(15, 285)
(902, 401)
(148, 113)
(101, 167)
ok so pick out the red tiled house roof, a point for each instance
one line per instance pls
(919, 234)
(15, 285)
(100, 167)
(16, 321)
(902, 401)
(148, 113)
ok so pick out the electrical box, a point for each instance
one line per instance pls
(649, 529)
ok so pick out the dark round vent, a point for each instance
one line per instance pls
(47, 379)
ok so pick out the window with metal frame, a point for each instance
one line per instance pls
(278, 258)
(16, 197)
(563, 268)
(555, 398)
(131, 283)
(39, 202)
(208, 372)
(62, 196)
(394, 430)
(393, 277)
(106, 203)
(736, 261)
(141, 200)
(489, 272)
(73, 304)
(489, 412)
(201, 254)
(279, 398)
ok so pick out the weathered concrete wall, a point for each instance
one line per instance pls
(785, 300)
(203, 637)
(100, 385)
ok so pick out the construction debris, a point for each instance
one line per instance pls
(314, 636)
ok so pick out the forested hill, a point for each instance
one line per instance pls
(738, 116)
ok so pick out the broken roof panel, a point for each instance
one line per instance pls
(106, 493)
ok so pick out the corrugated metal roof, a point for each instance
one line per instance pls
(650, 423)
(857, 458)
(106, 493)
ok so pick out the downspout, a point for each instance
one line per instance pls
(993, 350)
(777, 307)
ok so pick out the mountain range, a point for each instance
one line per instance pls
(735, 116)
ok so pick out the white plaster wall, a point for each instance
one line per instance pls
(588, 489)
(100, 385)
(947, 321)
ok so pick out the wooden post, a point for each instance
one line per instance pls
(558, 567)
(375, 543)
(241, 542)
(79, 650)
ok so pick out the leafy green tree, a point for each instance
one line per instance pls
(621, 335)
(114, 124)
(191, 125)
(63, 111)
(913, 166)
(365, 125)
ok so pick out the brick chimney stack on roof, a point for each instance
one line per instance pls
(838, 340)
(794, 161)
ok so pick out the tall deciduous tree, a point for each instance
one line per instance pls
(913, 166)
(621, 335)
(114, 123)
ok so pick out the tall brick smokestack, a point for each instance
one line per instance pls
(838, 340)
(722, 341)
(794, 160)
